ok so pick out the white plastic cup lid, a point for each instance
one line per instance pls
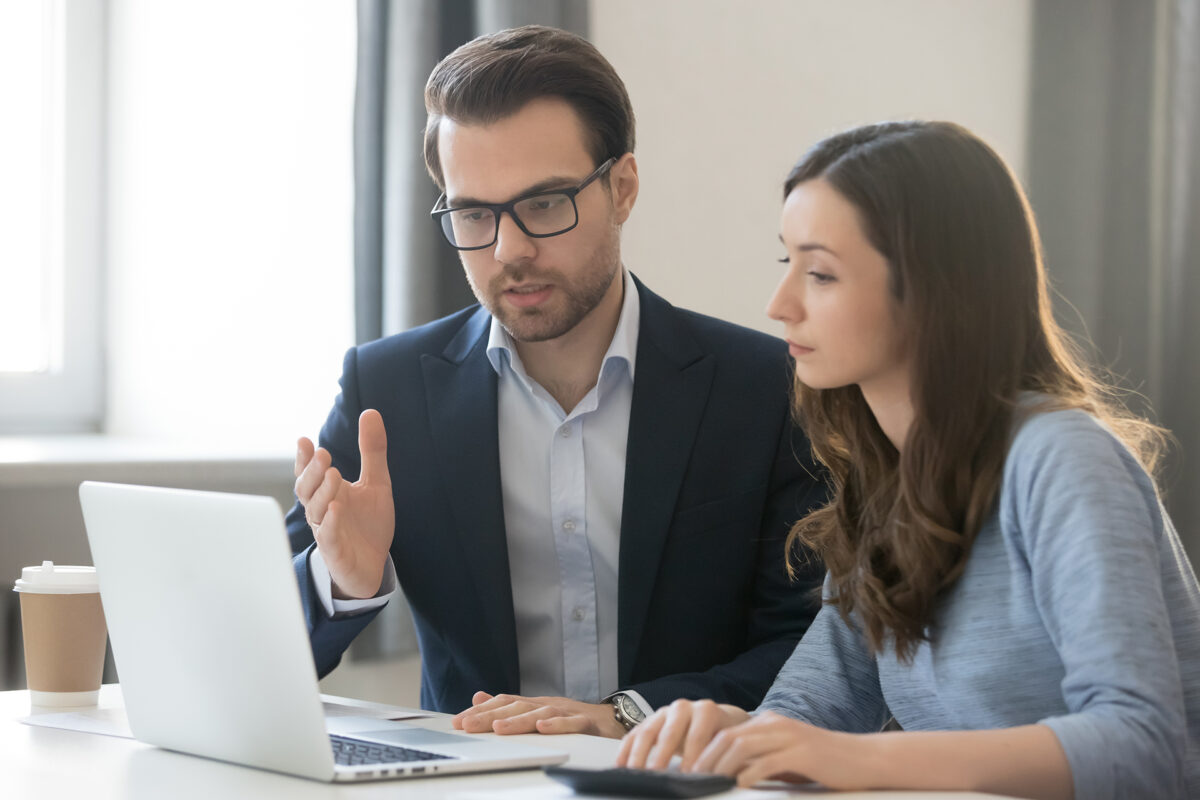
(51, 579)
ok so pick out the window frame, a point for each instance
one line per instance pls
(69, 398)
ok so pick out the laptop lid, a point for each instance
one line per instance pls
(208, 635)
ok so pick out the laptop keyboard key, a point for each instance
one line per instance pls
(355, 752)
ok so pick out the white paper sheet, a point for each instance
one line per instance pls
(106, 721)
(108, 718)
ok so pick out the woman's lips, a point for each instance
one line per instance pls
(798, 350)
(528, 296)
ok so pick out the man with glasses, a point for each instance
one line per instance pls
(582, 491)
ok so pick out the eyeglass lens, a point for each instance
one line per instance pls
(540, 215)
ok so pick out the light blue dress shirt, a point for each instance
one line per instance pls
(562, 475)
(562, 479)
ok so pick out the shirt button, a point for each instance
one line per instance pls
(565, 431)
(577, 615)
(569, 526)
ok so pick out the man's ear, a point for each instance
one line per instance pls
(623, 180)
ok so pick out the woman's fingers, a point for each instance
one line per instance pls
(707, 718)
(670, 738)
(637, 743)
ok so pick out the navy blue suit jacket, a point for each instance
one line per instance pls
(715, 474)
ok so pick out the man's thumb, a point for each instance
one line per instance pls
(372, 448)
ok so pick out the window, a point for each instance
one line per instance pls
(187, 273)
(51, 81)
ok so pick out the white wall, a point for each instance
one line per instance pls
(728, 95)
(229, 217)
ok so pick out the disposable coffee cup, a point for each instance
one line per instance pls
(64, 633)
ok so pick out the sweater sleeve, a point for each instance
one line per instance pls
(830, 680)
(1091, 526)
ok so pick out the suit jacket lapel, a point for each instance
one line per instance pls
(671, 384)
(460, 389)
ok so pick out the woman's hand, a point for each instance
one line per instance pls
(1025, 761)
(770, 746)
(726, 740)
(683, 728)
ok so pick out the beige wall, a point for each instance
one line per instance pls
(729, 94)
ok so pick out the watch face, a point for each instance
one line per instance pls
(630, 709)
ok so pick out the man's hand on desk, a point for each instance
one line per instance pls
(510, 713)
(352, 523)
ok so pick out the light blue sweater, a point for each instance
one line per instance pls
(1078, 609)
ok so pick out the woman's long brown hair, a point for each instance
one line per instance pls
(966, 272)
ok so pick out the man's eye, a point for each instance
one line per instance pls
(543, 204)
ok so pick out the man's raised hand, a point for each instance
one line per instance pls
(351, 522)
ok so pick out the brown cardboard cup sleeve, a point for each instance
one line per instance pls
(64, 634)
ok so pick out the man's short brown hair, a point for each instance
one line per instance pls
(495, 76)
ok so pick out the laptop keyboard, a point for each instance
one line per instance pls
(351, 752)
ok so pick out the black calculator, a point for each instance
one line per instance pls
(623, 782)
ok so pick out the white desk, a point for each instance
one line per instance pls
(47, 764)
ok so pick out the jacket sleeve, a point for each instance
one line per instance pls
(330, 636)
(779, 609)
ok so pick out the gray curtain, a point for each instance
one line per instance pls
(1114, 177)
(404, 274)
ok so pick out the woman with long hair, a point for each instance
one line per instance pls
(1003, 582)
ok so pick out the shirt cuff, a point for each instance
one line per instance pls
(638, 700)
(335, 609)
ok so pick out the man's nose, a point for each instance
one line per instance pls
(513, 245)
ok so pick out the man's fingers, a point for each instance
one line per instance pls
(311, 476)
(526, 722)
(304, 454)
(572, 723)
(317, 506)
(476, 699)
(328, 543)
(372, 448)
(482, 701)
(481, 721)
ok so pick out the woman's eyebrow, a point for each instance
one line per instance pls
(808, 247)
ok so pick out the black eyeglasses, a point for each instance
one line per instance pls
(538, 214)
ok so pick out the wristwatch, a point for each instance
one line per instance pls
(626, 711)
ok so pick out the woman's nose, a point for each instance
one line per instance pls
(787, 302)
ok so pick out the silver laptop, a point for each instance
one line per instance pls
(208, 634)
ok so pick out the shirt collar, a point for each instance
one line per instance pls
(622, 350)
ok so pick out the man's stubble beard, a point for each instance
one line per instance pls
(580, 296)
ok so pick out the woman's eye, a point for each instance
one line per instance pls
(785, 260)
(821, 277)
